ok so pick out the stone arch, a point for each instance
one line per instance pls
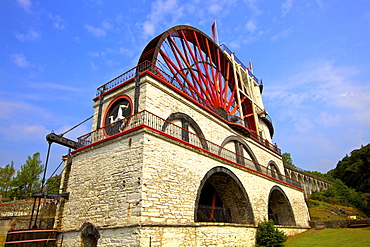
(307, 187)
(294, 176)
(221, 197)
(273, 170)
(186, 122)
(89, 235)
(279, 208)
(239, 147)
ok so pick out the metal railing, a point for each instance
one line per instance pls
(166, 128)
(145, 66)
(265, 142)
(213, 214)
(224, 47)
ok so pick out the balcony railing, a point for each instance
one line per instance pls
(146, 119)
(224, 47)
(145, 66)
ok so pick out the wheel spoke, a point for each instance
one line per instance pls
(200, 69)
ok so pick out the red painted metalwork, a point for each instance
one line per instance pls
(199, 68)
(153, 126)
(213, 204)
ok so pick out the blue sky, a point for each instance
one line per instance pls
(313, 56)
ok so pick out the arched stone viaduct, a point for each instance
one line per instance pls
(309, 182)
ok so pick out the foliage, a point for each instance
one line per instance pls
(28, 177)
(340, 194)
(287, 159)
(354, 170)
(269, 236)
(6, 178)
(53, 184)
(350, 178)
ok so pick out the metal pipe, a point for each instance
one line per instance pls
(43, 185)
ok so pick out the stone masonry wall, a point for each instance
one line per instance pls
(104, 185)
(142, 187)
(171, 179)
(162, 101)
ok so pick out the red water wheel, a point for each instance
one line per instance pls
(199, 68)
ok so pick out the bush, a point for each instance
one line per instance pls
(269, 236)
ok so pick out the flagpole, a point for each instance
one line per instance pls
(218, 41)
(215, 32)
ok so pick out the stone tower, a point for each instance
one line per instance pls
(180, 154)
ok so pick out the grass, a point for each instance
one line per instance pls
(347, 237)
(325, 211)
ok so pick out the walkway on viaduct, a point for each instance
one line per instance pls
(309, 182)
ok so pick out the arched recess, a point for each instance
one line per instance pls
(222, 198)
(187, 123)
(273, 170)
(279, 208)
(241, 148)
(89, 235)
(294, 176)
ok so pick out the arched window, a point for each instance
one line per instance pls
(273, 170)
(90, 235)
(242, 150)
(222, 198)
(279, 208)
(188, 124)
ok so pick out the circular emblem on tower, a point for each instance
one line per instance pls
(116, 117)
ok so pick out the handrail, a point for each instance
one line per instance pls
(307, 173)
(224, 47)
(125, 76)
(167, 128)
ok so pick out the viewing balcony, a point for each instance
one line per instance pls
(167, 129)
(233, 121)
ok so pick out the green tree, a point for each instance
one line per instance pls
(53, 184)
(354, 170)
(6, 178)
(287, 159)
(269, 236)
(340, 194)
(28, 177)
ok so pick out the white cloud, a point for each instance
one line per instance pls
(252, 4)
(58, 22)
(304, 125)
(283, 35)
(324, 83)
(96, 54)
(251, 25)
(321, 112)
(100, 31)
(23, 131)
(215, 8)
(20, 60)
(286, 6)
(320, 4)
(161, 10)
(49, 85)
(16, 110)
(25, 4)
(148, 28)
(31, 35)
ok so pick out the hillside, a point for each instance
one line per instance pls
(322, 211)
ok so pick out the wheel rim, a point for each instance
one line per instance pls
(199, 68)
